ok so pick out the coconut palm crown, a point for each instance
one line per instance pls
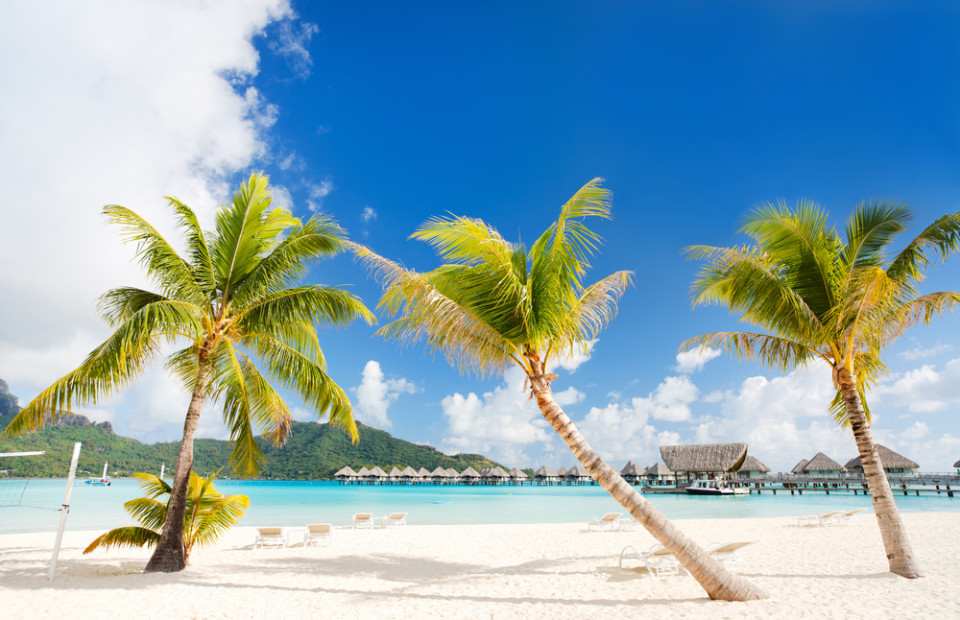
(820, 296)
(230, 303)
(495, 304)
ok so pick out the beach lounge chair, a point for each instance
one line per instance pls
(395, 519)
(726, 553)
(847, 516)
(825, 520)
(627, 524)
(658, 560)
(607, 522)
(363, 519)
(270, 537)
(318, 532)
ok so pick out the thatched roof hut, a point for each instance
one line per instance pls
(893, 463)
(395, 473)
(545, 472)
(453, 473)
(423, 473)
(408, 472)
(469, 472)
(363, 472)
(346, 472)
(798, 468)
(562, 472)
(440, 472)
(822, 464)
(376, 472)
(517, 474)
(578, 472)
(495, 472)
(631, 469)
(752, 464)
(957, 464)
(709, 458)
(657, 470)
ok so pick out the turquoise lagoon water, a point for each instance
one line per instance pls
(291, 503)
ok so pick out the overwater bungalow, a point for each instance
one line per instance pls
(469, 476)
(578, 475)
(957, 464)
(823, 466)
(562, 475)
(423, 475)
(798, 468)
(495, 475)
(545, 475)
(453, 476)
(346, 474)
(752, 469)
(517, 476)
(439, 476)
(657, 473)
(394, 476)
(376, 475)
(632, 473)
(704, 459)
(893, 464)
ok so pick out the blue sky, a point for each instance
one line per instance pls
(383, 114)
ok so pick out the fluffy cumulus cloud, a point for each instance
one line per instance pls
(376, 393)
(924, 389)
(319, 191)
(503, 424)
(692, 361)
(576, 358)
(368, 214)
(100, 107)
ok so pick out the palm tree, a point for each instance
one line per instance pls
(495, 305)
(230, 303)
(821, 297)
(208, 515)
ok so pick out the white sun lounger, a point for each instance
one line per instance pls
(825, 520)
(270, 537)
(848, 516)
(658, 560)
(363, 519)
(395, 519)
(318, 532)
(726, 553)
(607, 522)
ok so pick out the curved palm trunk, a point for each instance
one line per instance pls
(895, 542)
(170, 555)
(719, 583)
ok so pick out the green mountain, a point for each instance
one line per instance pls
(313, 451)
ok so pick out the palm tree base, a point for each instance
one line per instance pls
(166, 561)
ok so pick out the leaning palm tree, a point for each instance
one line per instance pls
(208, 515)
(821, 297)
(232, 302)
(496, 304)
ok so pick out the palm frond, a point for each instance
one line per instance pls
(201, 262)
(870, 229)
(429, 316)
(161, 262)
(218, 517)
(770, 350)
(595, 308)
(941, 238)
(153, 486)
(124, 537)
(150, 512)
(310, 303)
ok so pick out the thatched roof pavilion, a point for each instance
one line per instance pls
(578, 472)
(439, 472)
(408, 472)
(712, 458)
(376, 472)
(395, 473)
(545, 472)
(469, 472)
(496, 472)
(517, 474)
(893, 463)
(957, 464)
(821, 464)
(423, 473)
(798, 468)
(453, 473)
(562, 472)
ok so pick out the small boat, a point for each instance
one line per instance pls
(714, 487)
(102, 481)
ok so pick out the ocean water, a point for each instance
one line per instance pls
(291, 503)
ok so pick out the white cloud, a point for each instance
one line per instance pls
(368, 214)
(696, 359)
(375, 395)
(924, 389)
(503, 424)
(318, 192)
(100, 108)
(291, 43)
(920, 352)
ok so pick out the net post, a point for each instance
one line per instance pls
(64, 509)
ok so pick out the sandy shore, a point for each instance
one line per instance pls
(485, 571)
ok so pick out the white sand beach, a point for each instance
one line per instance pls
(489, 571)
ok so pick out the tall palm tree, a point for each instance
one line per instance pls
(495, 304)
(232, 302)
(208, 515)
(821, 297)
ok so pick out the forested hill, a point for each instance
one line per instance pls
(313, 451)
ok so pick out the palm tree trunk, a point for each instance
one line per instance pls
(895, 541)
(719, 583)
(169, 556)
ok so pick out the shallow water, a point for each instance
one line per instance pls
(292, 503)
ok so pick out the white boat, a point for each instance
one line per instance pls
(103, 481)
(714, 487)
